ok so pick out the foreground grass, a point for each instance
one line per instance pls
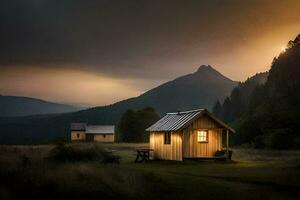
(252, 175)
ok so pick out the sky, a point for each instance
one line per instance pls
(99, 52)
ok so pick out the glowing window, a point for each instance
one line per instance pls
(203, 136)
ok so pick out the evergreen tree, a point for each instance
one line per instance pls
(127, 126)
(236, 106)
(273, 114)
(217, 109)
(227, 110)
(132, 125)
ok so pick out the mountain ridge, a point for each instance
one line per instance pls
(14, 106)
(211, 75)
(200, 89)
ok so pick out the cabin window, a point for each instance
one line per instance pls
(167, 137)
(78, 135)
(203, 136)
(104, 135)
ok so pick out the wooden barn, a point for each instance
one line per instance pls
(92, 133)
(186, 135)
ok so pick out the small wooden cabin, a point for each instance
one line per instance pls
(189, 134)
(100, 133)
(78, 131)
(92, 133)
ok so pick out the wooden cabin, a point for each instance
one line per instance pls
(100, 133)
(92, 133)
(78, 131)
(187, 135)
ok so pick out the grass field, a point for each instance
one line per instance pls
(253, 174)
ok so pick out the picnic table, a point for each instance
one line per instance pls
(142, 155)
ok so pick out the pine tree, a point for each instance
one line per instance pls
(217, 109)
(236, 104)
(132, 125)
(227, 116)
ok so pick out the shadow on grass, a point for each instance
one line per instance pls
(188, 162)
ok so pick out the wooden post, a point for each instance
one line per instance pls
(227, 141)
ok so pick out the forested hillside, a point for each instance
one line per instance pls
(270, 116)
(238, 102)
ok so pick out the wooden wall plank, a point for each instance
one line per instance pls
(194, 148)
(185, 144)
(171, 151)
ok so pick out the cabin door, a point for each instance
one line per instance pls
(89, 138)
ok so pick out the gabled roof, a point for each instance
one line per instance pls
(99, 129)
(78, 126)
(178, 120)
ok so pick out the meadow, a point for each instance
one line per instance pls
(27, 172)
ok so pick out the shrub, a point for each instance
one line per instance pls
(66, 152)
(24, 161)
(296, 142)
(282, 139)
(258, 142)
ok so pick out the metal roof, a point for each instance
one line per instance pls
(100, 129)
(177, 120)
(174, 121)
(78, 126)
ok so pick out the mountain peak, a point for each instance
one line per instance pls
(210, 73)
(205, 68)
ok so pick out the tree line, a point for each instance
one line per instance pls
(267, 115)
(132, 125)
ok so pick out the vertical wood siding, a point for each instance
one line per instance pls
(171, 151)
(97, 137)
(74, 135)
(194, 149)
(185, 144)
(107, 138)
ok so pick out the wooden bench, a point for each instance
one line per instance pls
(222, 155)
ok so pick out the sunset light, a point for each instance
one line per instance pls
(160, 99)
(283, 49)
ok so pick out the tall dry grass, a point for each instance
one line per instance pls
(26, 173)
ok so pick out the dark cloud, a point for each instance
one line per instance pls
(134, 38)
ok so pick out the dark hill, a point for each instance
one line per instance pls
(12, 106)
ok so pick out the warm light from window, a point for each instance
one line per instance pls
(202, 136)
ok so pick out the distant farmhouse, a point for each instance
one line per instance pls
(92, 133)
(189, 134)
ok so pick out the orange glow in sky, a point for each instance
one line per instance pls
(65, 85)
(101, 52)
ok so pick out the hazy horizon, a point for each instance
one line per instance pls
(99, 52)
(93, 105)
